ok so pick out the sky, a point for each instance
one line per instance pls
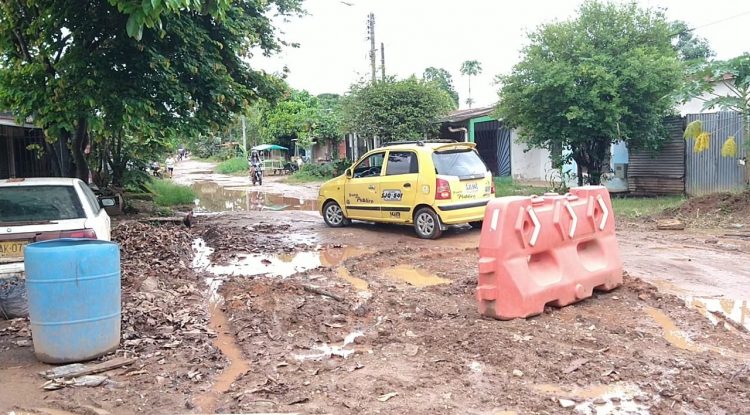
(417, 34)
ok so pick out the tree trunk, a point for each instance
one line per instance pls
(78, 145)
(117, 160)
(52, 154)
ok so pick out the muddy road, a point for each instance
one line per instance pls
(262, 309)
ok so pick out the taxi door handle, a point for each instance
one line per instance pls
(407, 185)
(371, 187)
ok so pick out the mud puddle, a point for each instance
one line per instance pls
(414, 276)
(212, 197)
(224, 341)
(615, 398)
(680, 339)
(732, 314)
(282, 265)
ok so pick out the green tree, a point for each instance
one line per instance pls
(443, 79)
(690, 48)
(610, 74)
(74, 68)
(470, 68)
(395, 110)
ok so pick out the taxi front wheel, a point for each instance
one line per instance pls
(427, 224)
(334, 216)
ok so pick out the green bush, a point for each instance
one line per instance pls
(167, 193)
(313, 172)
(340, 165)
(233, 165)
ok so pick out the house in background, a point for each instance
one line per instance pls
(498, 145)
(18, 159)
(325, 150)
(676, 168)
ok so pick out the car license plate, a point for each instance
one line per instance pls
(472, 187)
(12, 249)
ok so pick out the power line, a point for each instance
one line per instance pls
(712, 23)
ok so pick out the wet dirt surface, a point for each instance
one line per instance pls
(188, 172)
(259, 311)
(212, 197)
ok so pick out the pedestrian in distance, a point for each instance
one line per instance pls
(170, 165)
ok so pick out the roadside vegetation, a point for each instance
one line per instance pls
(644, 207)
(506, 186)
(167, 193)
(312, 172)
(627, 207)
(237, 165)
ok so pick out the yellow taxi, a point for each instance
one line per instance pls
(427, 184)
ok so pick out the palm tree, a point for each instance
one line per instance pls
(470, 68)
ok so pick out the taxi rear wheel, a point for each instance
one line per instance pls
(427, 224)
(334, 216)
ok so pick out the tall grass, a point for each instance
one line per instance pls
(232, 166)
(167, 193)
(643, 207)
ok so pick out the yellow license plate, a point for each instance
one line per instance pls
(12, 249)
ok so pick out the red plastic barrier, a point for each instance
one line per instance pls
(554, 249)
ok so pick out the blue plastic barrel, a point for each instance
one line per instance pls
(74, 298)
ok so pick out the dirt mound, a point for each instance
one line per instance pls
(710, 210)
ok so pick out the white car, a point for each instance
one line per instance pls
(39, 209)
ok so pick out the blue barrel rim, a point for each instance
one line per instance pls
(68, 242)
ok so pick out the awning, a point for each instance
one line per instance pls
(267, 147)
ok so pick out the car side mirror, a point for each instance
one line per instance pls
(348, 173)
(106, 202)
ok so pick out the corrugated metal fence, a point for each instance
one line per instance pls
(662, 172)
(707, 171)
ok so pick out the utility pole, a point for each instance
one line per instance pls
(244, 137)
(382, 60)
(371, 36)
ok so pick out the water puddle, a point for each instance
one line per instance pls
(415, 276)
(219, 323)
(680, 339)
(358, 283)
(325, 351)
(212, 197)
(732, 314)
(225, 342)
(671, 332)
(615, 398)
(283, 265)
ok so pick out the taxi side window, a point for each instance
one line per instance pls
(369, 167)
(402, 162)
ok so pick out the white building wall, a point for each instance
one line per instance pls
(695, 105)
(530, 166)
